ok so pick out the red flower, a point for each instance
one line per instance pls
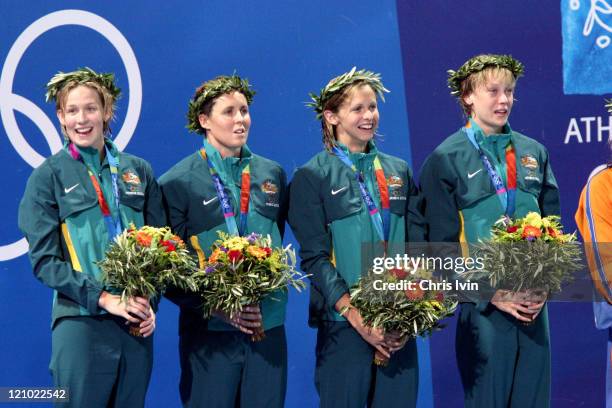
(415, 294)
(530, 231)
(169, 246)
(552, 232)
(234, 255)
(398, 273)
(268, 251)
(512, 229)
(440, 297)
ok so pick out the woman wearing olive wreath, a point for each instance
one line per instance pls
(74, 204)
(220, 365)
(480, 173)
(343, 215)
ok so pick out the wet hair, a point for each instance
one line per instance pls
(333, 104)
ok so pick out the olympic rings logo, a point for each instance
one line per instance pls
(10, 102)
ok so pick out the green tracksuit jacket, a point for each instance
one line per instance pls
(195, 215)
(62, 221)
(333, 226)
(461, 205)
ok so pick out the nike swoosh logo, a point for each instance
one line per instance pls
(334, 192)
(67, 190)
(206, 202)
(470, 175)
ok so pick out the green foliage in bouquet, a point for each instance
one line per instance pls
(528, 253)
(243, 270)
(144, 261)
(401, 309)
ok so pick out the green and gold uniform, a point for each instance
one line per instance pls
(502, 362)
(337, 241)
(219, 364)
(93, 355)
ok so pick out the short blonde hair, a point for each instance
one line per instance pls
(478, 79)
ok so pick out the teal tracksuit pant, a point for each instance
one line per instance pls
(346, 376)
(503, 363)
(226, 361)
(100, 363)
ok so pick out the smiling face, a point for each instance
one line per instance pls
(491, 100)
(82, 116)
(227, 125)
(356, 120)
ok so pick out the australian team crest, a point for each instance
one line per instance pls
(395, 184)
(132, 182)
(271, 191)
(269, 187)
(529, 162)
(130, 177)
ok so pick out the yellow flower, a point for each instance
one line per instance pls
(435, 304)
(533, 219)
(236, 243)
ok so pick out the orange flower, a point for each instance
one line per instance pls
(552, 232)
(531, 232)
(415, 294)
(143, 238)
(214, 257)
(257, 252)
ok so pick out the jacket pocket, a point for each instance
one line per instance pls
(341, 201)
(136, 202)
(76, 202)
(470, 191)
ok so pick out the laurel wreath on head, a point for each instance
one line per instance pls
(210, 90)
(477, 64)
(81, 76)
(337, 84)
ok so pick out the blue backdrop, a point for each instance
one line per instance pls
(161, 52)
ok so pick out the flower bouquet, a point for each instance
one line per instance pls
(143, 262)
(241, 271)
(407, 304)
(528, 256)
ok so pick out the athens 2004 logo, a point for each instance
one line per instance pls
(10, 102)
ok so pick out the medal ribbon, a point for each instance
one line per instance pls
(113, 226)
(224, 200)
(381, 224)
(506, 195)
